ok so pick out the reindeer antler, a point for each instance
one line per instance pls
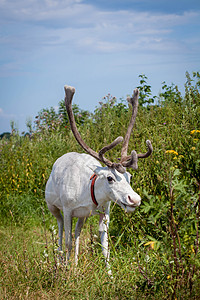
(126, 161)
(69, 92)
(131, 160)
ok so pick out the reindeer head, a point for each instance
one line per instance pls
(126, 161)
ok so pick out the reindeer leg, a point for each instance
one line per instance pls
(68, 232)
(56, 213)
(79, 226)
(103, 232)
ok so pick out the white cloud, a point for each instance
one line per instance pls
(72, 24)
(76, 13)
(41, 10)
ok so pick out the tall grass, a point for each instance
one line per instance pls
(155, 251)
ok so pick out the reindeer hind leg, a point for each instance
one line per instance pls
(57, 214)
(79, 226)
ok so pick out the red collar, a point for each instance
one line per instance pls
(93, 178)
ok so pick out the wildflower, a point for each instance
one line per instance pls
(194, 131)
(151, 244)
(171, 151)
(192, 248)
(168, 277)
(193, 148)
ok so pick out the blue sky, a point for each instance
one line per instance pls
(98, 47)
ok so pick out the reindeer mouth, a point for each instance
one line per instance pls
(127, 207)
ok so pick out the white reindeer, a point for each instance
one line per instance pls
(81, 187)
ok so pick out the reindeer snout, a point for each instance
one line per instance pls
(134, 201)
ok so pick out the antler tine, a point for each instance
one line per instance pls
(117, 141)
(131, 160)
(134, 102)
(148, 153)
(117, 166)
(69, 92)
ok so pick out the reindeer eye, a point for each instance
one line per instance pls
(110, 179)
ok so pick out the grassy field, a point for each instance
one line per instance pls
(154, 253)
(31, 269)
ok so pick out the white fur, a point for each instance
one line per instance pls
(68, 189)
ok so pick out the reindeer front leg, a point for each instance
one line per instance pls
(103, 232)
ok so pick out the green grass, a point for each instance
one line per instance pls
(31, 269)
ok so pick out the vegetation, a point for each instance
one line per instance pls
(155, 251)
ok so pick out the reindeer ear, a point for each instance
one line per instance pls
(96, 169)
(99, 171)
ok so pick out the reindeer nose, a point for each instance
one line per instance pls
(134, 201)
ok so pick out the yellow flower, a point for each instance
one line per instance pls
(193, 148)
(192, 248)
(150, 243)
(168, 277)
(171, 151)
(194, 131)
